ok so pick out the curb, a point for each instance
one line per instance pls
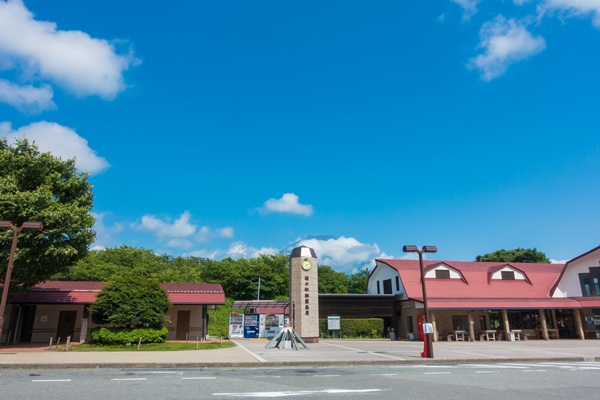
(313, 364)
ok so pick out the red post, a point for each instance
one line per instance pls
(425, 353)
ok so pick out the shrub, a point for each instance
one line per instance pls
(356, 327)
(104, 335)
(131, 300)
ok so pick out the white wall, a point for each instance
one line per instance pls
(569, 285)
(381, 273)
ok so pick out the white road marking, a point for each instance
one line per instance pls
(297, 393)
(158, 372)
(200, 377)
(50, 380)
(128, 379)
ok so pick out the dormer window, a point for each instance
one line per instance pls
(508, 275)
(442, 274)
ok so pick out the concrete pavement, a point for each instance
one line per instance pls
(252, 353)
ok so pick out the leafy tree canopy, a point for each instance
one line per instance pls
(515, 255)
(39, 187)
(131, 300)
(239, 278)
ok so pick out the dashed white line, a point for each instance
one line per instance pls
(128, 379)
(296, 393)
(200, 377)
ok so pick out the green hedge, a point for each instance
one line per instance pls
(104, 335)
(355, 328)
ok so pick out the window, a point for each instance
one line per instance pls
(508, 275)
(387, 286)
(442, 274)
(482, 323)
(460, 322)
(409, 323)
(526, 319)
(378, 290)
(595, 276)
(397, 284)
(586, 289)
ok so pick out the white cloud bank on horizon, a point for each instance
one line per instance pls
(345, 253)
(236, 250)
(59, 140)
(288, 203)
(72, 60)
(180, 233)
(504, 42)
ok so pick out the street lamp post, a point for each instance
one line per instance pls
(27, 226)
(425, 249)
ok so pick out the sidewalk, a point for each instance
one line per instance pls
(252, 353)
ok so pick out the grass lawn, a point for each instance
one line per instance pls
(168, 346)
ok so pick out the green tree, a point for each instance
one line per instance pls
(515, 255)
(357, 282)
(131, 300)
(331, 281)
(39, 187)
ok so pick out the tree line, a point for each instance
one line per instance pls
(239, 278)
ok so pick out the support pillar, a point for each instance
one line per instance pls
(471, 327)
(578, 324)
(435, 332)
(506, 323)
(544, 325)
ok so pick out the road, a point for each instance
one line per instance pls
(514, 381)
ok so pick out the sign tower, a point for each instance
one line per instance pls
(304, 293)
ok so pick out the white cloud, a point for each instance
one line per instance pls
(288, 203)
(104, 233)
(469, 7)
(27, 98)
(235, 250)
(180, 233)
(72, 60)
(346, 254)
(553, 261)
(504, 43)
(574, 7)
(180, 228)
(59, 140)
(205, 233)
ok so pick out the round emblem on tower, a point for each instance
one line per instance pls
(306, 265)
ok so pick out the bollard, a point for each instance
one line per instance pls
(50, 346)
(197, 342)
(139, 342)
(186, 336)
(68, 343)
(57, 343)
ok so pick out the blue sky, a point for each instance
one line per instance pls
(229, 128)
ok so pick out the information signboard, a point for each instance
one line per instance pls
(333, 323)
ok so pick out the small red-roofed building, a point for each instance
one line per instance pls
(59, 309)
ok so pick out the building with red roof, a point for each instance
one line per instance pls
(475, 298)
(58, 309)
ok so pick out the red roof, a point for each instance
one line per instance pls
(478, 291)
(76, 292)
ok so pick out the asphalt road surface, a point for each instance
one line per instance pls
(513, 381)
